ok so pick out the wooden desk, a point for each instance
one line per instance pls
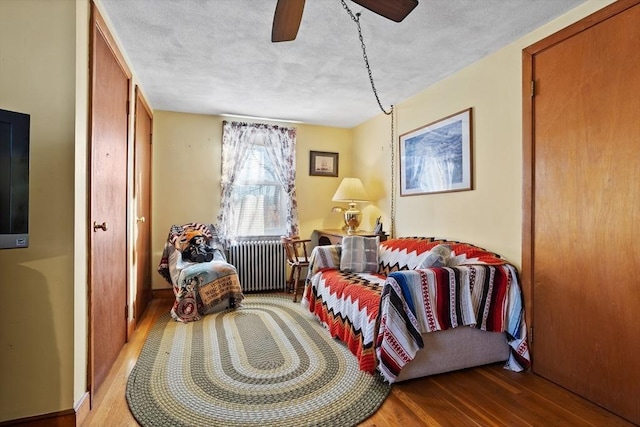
(334, 236)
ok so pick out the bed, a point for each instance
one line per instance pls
(405, 311)
(202, 283)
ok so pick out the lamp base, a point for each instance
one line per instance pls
(352, 218)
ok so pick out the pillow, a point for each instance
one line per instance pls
(359, 254)
(438, 256)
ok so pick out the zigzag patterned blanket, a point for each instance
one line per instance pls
(347, 305)
(381, 318)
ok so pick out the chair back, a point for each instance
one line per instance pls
(296, 250)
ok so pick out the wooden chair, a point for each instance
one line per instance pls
(297, 258)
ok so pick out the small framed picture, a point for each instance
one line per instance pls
(322, 163)
(436, 158)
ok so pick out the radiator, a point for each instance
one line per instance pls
(260, 264)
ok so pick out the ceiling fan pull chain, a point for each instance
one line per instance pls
(356, 18)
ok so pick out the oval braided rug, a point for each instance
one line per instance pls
(267, 363)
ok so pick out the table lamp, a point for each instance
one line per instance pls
(352, 191)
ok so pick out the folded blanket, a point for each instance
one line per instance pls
(413, 302)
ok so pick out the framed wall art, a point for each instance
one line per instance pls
(436, 158)
(322, 163)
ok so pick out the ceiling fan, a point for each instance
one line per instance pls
(288, 14)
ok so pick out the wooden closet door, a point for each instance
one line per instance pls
(142, 196)
(108, 284)
(586, 212)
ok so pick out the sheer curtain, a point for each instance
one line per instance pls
(237, 141)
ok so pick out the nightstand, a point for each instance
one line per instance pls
(334, 236)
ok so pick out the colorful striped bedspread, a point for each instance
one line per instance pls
(381, 318)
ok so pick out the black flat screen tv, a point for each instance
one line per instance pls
(14, 179)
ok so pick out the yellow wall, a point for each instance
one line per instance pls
(186, 174)
(491, 214)
(37, 77)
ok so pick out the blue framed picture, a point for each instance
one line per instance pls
(436, 158)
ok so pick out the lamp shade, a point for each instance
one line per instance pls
(351, 190)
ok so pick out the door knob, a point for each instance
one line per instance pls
(103, 226)
(141, 219)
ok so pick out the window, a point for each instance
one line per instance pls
(258, 195)
(260, 198)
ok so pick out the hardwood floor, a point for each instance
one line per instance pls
(485, 396)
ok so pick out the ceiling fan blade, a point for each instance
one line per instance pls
(396, 10)
(286, 20)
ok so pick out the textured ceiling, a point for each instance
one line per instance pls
(216, 56)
